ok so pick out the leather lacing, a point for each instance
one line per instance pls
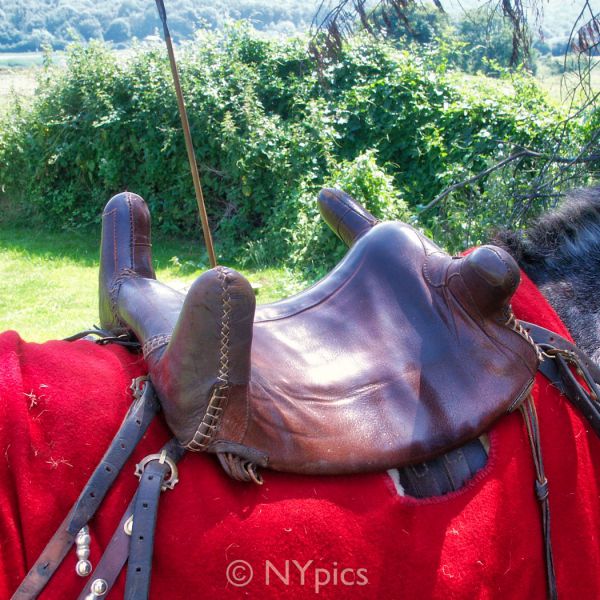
(517, 327)
(212, 416)
(541, 489)
(239, 468)
(527, 408)
(154, 343)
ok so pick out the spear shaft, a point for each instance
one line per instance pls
(188, 137)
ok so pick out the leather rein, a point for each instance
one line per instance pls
(132, 541)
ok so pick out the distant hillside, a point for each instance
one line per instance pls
(26, 25)
(551, 26)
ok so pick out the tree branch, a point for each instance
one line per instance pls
(524, 153)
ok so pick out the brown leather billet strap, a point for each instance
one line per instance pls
(134, 426)
(559, 355)
(141, 545)
(47, 563)
(448, 472)
(132, 429)
(117, 551)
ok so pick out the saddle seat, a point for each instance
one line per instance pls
(397, 355)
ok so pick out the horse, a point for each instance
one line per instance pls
(303, 535)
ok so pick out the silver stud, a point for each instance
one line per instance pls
(83, 539)
(128, 526)
(83, 568)
(82, 549)
(99, 587)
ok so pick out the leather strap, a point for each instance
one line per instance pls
(541, 488)
(445, 473)
(152, 482)
(132, 429)
(586, 401)
(548, 339)
(114, 557)
(560, 355)
(117, 552)
(104, 337)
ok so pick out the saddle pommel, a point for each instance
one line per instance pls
(492, 277)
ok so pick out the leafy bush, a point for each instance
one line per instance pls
(270, 129)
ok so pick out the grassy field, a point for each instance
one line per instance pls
(49, 280)
(560, 87)
(16, 83)
(18, 75)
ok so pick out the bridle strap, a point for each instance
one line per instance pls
(131, 431)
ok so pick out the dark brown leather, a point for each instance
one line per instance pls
(346, 217)
(130, 297)
(398, 354)
(125, 220)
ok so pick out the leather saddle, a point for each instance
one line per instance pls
(399, 354)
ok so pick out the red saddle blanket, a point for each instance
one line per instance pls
(61, 403)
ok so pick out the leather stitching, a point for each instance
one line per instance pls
(210, 422)
(426, 270)
(154, 343)
(131, 230)
(114, 290)
(513, 281)
(115, 253)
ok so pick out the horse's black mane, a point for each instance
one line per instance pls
(571, 233)
(560, 252)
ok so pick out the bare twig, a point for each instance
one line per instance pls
(524, 153)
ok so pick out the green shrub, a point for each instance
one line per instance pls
(392, 126)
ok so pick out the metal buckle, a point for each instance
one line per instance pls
(137, 386)
(173, 477)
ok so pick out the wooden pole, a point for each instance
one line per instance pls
(188, 138)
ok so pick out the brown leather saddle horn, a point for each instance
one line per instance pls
(400, 353)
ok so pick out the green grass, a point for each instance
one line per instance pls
(49, 280)
(560, 86)
(16, 83)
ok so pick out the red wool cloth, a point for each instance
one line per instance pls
(61, 403)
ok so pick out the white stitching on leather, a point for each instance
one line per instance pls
(216, 405)
(154, 343)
